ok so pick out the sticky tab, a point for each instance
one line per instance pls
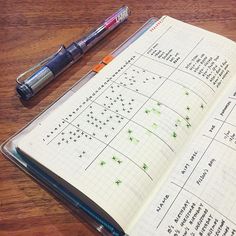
(98, 67)
(107, 59)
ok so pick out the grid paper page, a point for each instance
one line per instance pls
(116, 137)
(199, 198)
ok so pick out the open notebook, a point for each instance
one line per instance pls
(149, 143)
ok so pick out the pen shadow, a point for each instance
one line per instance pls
(90, 57)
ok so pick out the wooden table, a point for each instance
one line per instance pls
(32, 30)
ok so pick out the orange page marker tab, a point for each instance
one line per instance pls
(98, 67)
(107, 59)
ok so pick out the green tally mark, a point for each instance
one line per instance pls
(144, 167)
(186, 93)
(188, 108)
(188, 125)
(187, 118)
(129, 131)
(154, 125)
(174, 135)
(116, 159)
(118, 182)
(158, 103)
(102, 163)
(156, 111)
(202, 106)
(177, 122)
(133, 140)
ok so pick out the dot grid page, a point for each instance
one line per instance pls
(198, 198)
(116, 137)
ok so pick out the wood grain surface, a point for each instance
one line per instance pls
(32, 30)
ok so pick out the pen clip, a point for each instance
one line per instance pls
(41, 63)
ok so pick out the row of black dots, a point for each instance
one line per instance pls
(55, 129)
(52, 132)
(124, 66)
(88, 99)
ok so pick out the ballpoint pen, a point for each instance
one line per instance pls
(52, 66)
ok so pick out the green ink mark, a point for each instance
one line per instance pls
(177, 122)
(156, 111)
(144, 167)
(187, 118)
(147, 111)
(202, 106)
(154, 125)
(118, 182)
(186, 93)
(188, 125)
(115, 158)
(188, 108)
(158, 103)
(133, 140)
(174, 135)
(102, 163)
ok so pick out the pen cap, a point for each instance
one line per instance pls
(34, 83)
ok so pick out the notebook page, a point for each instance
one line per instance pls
(199, 197)
(115, 138)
